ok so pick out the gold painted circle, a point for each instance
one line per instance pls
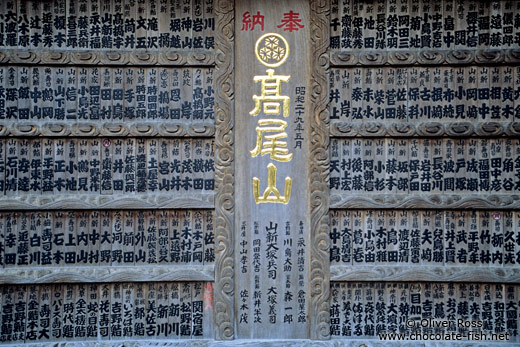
(272, 49)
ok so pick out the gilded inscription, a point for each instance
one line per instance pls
(272, 144)
(270, 95)
(271, 50)
(271, 193)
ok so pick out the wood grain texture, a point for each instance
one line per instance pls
(108, 274)
(92, 129)
(277, 343)
(424, 273)
(319, 164)
(430, 201)
(87, 201)
(426, 129)
(198, 58)
(225, 171)
(437, 57)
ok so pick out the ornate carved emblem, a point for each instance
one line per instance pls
(272, 49)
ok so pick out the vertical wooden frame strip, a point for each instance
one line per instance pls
(319, 169)
(224, 171)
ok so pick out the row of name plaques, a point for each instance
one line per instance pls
(80, 25)
(367, 309)
(425, 165)
(398, 25)
(106, 166)
(105, 311)
(108, 311)
(400, 94)
(414, 94)
(425, 237)
(71, 94)
(107, 238)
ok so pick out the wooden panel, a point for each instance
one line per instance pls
(425, 303)
(447, 239)
(400, 32)
(103, 93)
(422, 101)
(36, 240)
(451, 149)
(107, 25)
(98, 311)
(272, 213)
(476, 184)
(62, 176)
(102, 102)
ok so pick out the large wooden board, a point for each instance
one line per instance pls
(106, 25)
(273, 225)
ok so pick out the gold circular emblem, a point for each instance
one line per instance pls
(272, 49)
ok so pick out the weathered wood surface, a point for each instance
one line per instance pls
(87, 201)
(67, 25)
(479, 131)
(90, 101)
(481, 274)
(139, 169)
(426, 129)
(426, 57)
(417, 82)
(424, 101)
(124, 71)
(89, 274)
(432, 201)
(70, 239)
(414, 239)
(318, 175)
(378, 303)
(272, 223)
(176, 58)
(428, 26)
(424, 167)
(224, 171)
(264, 343)
(96, 311)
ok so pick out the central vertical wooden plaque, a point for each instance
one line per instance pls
(272, 153)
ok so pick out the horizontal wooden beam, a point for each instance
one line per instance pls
(96, 201)
(374, 342)
(423, 129)
(407, 272)
(424, 57)
(102, 274)
(104, 129)
(424, 201)
(174, 58)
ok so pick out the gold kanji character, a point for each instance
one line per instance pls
(271, 193)
(270, 97)
(272, 145)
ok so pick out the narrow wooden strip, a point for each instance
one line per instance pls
(105, 274)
